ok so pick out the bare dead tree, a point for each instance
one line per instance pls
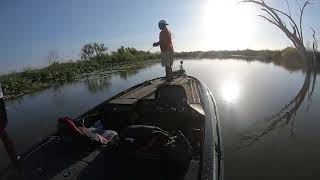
(315, 62)
(53, 56)
(315, 43)
(286, 115)
(279, 18)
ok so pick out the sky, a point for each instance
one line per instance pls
(30, 29)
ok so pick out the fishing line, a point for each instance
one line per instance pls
(150, 49)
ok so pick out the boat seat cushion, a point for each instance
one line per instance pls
(171, 95)
(117, 116)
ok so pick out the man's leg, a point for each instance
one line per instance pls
(171, 63)
(171, 73)
(167, 73)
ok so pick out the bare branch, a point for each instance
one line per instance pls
(315, 41)
(298, 5)
(273, 16)
(288, 7)
(263, 4)
(291, 21)
(271, 21)
(306, 3)
(53, 56)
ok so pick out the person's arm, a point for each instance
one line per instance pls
(157, 43)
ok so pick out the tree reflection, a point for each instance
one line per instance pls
(286, 115)
(124, 74)
(98, 84)
(295, 34)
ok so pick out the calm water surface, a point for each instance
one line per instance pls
(257, 146)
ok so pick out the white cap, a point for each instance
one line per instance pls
(163, 22)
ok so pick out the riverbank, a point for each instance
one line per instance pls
(287, 58)
(32, 80)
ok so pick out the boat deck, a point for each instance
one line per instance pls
(147, 91)
(56, 160)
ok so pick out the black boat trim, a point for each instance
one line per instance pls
(211, 147)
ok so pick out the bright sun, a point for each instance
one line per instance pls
(230, 91)
(227, 24)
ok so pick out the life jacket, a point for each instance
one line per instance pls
(72, 133)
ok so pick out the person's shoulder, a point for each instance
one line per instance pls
(165, 32)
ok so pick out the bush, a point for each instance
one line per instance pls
(94, 57)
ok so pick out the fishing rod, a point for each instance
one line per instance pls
(150, 49)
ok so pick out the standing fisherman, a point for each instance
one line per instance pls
(166, 47)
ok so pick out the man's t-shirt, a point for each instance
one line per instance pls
(165, 41)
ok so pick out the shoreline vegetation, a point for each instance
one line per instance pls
(95, 58)
(31, 80)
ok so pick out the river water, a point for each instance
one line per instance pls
(257, 145)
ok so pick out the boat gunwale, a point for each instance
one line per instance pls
(216, 130)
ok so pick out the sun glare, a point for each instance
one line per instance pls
(230, 91)
(227, 24)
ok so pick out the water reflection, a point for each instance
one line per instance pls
(230, 91)
(286, 115)
(98, 84)
(246, 92)
(124, 74)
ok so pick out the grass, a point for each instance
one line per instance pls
(31, 80)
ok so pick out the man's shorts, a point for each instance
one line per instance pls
(166, 58)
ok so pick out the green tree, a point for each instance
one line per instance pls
(93, 50)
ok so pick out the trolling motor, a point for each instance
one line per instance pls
(4, 136)
(181, 71)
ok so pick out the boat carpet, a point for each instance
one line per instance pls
(57, 159)
(147, 91)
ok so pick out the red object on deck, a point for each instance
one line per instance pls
(69, 122)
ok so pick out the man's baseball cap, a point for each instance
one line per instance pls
(163, 22)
